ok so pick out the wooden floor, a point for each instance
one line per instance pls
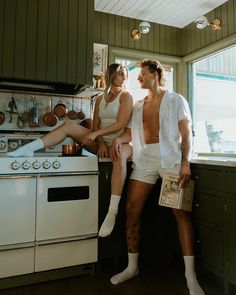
(168, 282)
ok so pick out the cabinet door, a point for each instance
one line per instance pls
(231, 237)
(208, 209)
(210, 248)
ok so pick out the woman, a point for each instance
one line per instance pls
(112, 112)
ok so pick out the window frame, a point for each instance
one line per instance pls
(189, 60)
(173, 61)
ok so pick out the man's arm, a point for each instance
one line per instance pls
(186, 148)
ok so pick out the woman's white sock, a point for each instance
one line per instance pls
(130, 272)
(28, 149)
(192, 282)
(109, 221)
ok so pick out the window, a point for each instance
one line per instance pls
(133, 84)
(214, 103)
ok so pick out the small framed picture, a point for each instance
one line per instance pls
(100, 55)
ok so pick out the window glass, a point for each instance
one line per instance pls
(214, 103)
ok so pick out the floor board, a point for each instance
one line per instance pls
(166, 282)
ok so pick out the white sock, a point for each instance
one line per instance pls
(130, 272)
(109, 221)
(192, 282)
(28, 149)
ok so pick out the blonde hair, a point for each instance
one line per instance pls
(111, 74)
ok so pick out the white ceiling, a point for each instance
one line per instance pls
(176, 13)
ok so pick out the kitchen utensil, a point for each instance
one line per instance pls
(72, 114)
(25, 115)
(34, 114)
(81, 114)
(2, 118)
(87, 123)
(60, 110)
(71, 150)
(50, 119)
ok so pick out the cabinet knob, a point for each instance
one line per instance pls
(196, 177)
(197, 205)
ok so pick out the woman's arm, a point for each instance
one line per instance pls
(124, 115)
(96, 119)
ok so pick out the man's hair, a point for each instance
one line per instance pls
(155, 66)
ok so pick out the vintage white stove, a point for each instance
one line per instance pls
(48, 209)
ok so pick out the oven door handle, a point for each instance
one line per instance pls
(16, 176)
(68, 174)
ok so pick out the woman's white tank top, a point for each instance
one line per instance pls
(108, 113)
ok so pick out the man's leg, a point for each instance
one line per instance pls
(138, 192)
(118, 177)
(185, 230)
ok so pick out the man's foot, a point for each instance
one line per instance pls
(194, 288)
(108, 224)
(124, 276)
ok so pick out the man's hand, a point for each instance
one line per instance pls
(115, 149)
(184, 174)
(102, 151)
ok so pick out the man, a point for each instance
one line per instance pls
(161, 138)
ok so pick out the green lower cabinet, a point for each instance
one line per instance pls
(210, 248)
(231, 237)
(214, 214)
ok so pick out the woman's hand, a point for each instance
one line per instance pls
(89, 139)
(115, 149)
(102, 151)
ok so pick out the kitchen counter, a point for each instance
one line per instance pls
(219, 161)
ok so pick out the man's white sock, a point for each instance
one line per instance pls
(130, 272)
(109, 221)
(192, 282)
(28, 149)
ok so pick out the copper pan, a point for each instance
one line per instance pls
(60, 110)
(87, 123)
(2, 118)
(50, 119)
(71, 150)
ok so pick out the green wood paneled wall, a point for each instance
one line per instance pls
(115, 31)
(194, 39)
(47, 40)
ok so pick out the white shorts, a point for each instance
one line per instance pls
(153, 170)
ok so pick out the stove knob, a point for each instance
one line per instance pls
(56, 164)
(15, 165)
(13, 145)
(2, 143)
(25, 165)
(36, 165)
(46, 164)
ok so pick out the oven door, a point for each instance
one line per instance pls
(67, 207)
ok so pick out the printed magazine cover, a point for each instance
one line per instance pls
(175, 197)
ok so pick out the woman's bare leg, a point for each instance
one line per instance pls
(118, 177)
(137, 194)
(67, 129)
